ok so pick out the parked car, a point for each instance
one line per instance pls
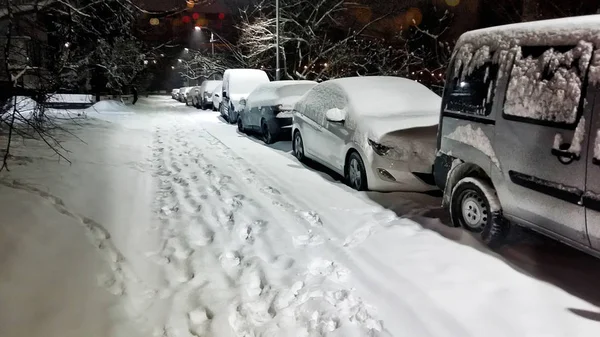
(180, 94)
(237, 85)
(216, 97)
(518, 145)
(174, 93)
(187, 95)
(268, 109)
(205, 93)
(378, 132)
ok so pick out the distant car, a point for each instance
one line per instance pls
(382, 144)
(204, 100)
(186, 95)
(237, 85)
(268, 109)
(180, 94)
(174, 93)
(216, 97)
(192, 95)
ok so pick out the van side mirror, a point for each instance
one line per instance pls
(335, 115)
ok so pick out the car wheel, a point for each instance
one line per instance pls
(298, 146)
(470, 209)
(240, 125)
(267, 135)
(231, 115)
(356, 176)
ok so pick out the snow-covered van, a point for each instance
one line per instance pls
(237, 85)
(519, 135)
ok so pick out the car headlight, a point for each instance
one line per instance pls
(381, 150)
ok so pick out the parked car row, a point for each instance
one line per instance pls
(512, 141)
(205, 96)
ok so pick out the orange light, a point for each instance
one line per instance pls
(190, 4)
(414, 16)
(452, 3)
(202, 22)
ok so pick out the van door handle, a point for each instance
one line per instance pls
(564, 156)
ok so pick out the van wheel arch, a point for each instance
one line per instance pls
(460, 172)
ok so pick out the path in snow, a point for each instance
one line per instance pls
(228, 253)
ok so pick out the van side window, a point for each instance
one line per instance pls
(473, 94)
(547, 85)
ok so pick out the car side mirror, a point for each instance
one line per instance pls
(335, 115)
(243, 102)
(217, 95)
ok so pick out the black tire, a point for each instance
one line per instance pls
(267, 134)
(298, 146)
(355, 173)
(240, 125)
(231, 118)
(470, 209)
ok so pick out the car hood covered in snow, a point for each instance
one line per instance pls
(375, 128)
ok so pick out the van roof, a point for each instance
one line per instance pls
(556, 32)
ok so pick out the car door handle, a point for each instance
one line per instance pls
(564, 156)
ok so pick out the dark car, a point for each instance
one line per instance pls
(268, 109)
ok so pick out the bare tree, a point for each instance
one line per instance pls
(50, 46)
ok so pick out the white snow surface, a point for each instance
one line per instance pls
(210, 86)
(173, 224)
(71, 98)
(476, 138)
(285, 93)
(557, 99)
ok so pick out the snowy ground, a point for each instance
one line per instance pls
(171, 223)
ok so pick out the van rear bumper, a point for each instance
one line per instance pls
(441, 168)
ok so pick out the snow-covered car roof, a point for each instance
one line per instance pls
(279, 92)
(556, 32)
(382, 96)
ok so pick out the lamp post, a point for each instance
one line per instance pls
(277, 70)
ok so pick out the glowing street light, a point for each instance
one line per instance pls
(180, 60)
(68, 44)
(145, 61)
(186, 50)
(173, 67)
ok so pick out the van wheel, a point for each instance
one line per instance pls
(470, 209)
(231, 118)
(267, 135)
(240, 125)
(355, 174)
(298, 146)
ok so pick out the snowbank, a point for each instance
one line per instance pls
(71, 98)
(109, 107)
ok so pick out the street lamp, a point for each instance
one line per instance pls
(186, 50)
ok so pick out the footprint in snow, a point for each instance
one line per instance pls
(308, 240)
(271, 190)
(312, 218)
(199, 321)
(359, 236)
